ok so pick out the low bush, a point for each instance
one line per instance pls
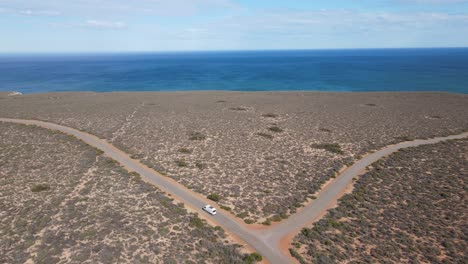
(214, 197)
(243, 215)
(185, 150)
(297, 256)
(249, 221)
(276, 218)
(196, 222)
(40, 188)
(227, 208)
(275, 129)
(325, 130)
(252, 258)
(238, 108)
(270, 115)
(330, 147)
(182, 163)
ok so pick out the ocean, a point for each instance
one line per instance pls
(444, 70)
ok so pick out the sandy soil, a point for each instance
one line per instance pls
(266, 153)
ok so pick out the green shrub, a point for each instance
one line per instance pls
(135, 176)
(227, 208)
(266, 222)
(252, 258)
(331, 147)
(276, 218)
(185, 150)
(297, 256)
(40, 188)
(238, 108)
(196, 222)
(249, 221)
(270, 115)
(182, 163)
(214, 197)
(275, 129)
(257, 256)
(243, 215)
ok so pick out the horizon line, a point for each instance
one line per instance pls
(213, 51)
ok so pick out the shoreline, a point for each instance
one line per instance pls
(6, 92)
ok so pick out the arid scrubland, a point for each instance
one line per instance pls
(262, 155)
(411, 207)
(62, 201)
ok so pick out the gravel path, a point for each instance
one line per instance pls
(264, 240)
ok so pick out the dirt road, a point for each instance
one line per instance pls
(265, 240)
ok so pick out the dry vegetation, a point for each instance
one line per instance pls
(272, 150)
(62, 201)
(409, 208)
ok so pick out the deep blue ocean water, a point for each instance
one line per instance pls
(319, 70)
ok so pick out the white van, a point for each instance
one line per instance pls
(209, 209)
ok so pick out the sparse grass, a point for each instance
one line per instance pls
(232, 151)
(330, 147)
(40, 188)
(275, 129)
(214, 197)
(265, 135)
(197, 136)
(107, 199)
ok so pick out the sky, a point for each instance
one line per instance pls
(185, 25)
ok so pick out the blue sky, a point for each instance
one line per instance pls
(167, 25)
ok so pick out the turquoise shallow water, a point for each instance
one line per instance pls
(320, 70)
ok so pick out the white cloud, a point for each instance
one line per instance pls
(330, 29)
(29, 12)
(120, 7)
(100, 24)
